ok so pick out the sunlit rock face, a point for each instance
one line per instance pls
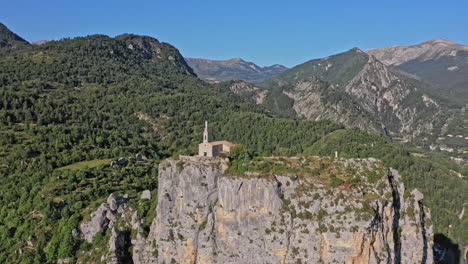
(206, 216)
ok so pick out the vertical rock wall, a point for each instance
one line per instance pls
(206, 217)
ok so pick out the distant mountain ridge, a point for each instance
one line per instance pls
(232, 69)
(439, 62)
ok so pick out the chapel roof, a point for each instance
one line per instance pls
(222, 142)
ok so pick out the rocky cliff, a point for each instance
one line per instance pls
(363, 215)
(329, 211)
(249, 91)
(159, 52)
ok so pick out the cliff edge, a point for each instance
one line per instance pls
(207, 216)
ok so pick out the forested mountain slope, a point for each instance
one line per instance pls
(357, 90)
(96, 99)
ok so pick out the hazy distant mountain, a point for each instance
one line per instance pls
(357, 90)
(233, 69)
(9, 39)
(40, 42)
(439, 62)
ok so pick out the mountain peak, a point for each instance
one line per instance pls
(277, 66)
(236, 60)
(8, 39)
(152, 48)
(356, 49)
(441, 41)
(349, 62)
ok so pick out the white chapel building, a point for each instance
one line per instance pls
(214, 148)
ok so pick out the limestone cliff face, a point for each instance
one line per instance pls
(204, 216)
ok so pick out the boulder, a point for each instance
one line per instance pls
(75, 233)
(103, 217)
(114, 201)
(122, 162)
(96, 224)
(146, 195)
(141, 157)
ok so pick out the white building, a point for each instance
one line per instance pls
(214, 148)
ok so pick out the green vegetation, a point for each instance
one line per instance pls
(68, 107)
(445, 192)
(335, 181)
(350, 63)
(86, 164)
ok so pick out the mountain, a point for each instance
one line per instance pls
(357, 90)
(233, 69)
(8, 39)
(39, 42)
(71, 107)
(439, 62)
(91, 132)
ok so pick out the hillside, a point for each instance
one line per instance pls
(439, 62)
(70, 106)
(233, 69)
(357, 90)
(9, 40)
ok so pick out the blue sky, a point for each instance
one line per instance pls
(264, 32)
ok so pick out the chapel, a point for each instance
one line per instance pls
(213, 148)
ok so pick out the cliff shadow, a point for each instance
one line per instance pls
(445, 251)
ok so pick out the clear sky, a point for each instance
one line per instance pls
(264, 32)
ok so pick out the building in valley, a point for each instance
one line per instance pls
(214, 148)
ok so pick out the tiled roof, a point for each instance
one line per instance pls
(222, 142)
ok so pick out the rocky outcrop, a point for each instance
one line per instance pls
(146, 194)
(126, 230)
(311, 102)
(160, 52)
(103, 217)
(249, 91)
(205, 216)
